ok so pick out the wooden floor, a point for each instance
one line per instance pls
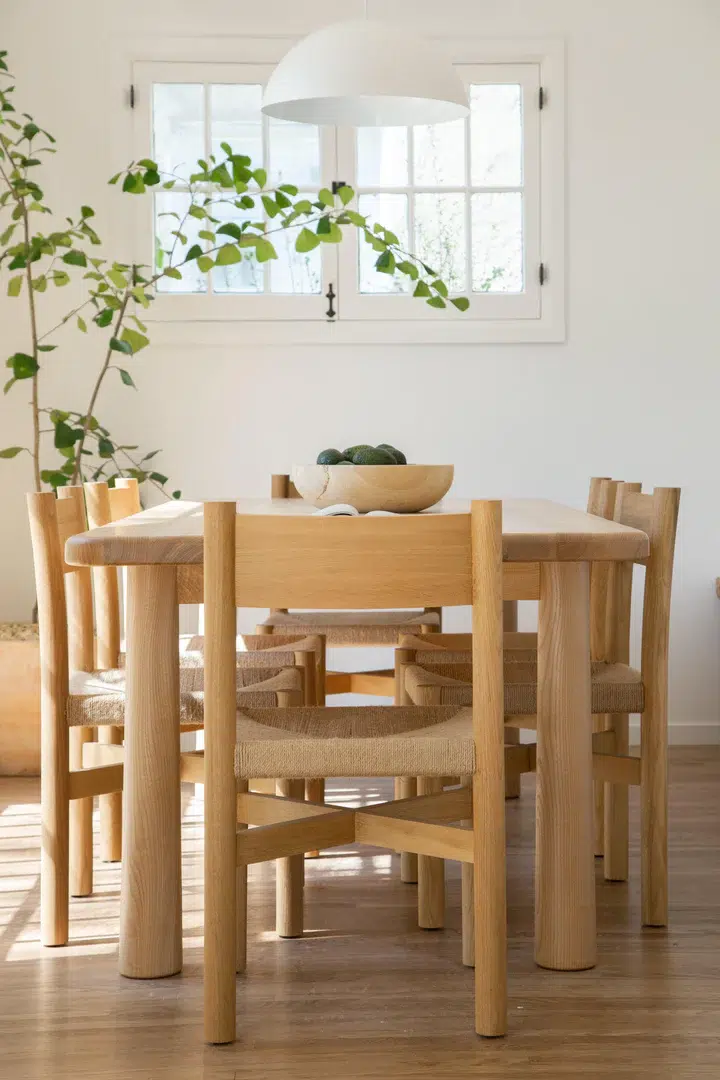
(366, 994)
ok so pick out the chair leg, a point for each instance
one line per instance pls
(241, 900)
(468, 900)
(600, 723)
(431, 872)
(653, 818)
(314, 792)
(617, 809)
(110, 807)
(290, 876)
(406, 788)
(54, 856)
(512, 780)
(81, 838)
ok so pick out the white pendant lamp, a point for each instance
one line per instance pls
(365, 73)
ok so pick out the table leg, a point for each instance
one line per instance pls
(150, 909)
(565, 930)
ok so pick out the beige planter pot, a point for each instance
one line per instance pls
(19, 700)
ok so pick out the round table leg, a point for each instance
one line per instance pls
(565, 930)
(150, 909)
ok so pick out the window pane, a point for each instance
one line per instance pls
(382, 157)
(496, 135)
(497, 242)
(440, 238)
(235, 119)
(392, 212)
(242, 277)
(439, 154)
(171, 216)
(294, 153)
(178, 127)
(294, 271)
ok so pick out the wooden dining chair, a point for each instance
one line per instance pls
(257, 560)
(440, 674)
(77, 699)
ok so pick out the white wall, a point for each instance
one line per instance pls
(633, 393)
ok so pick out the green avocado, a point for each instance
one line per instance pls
(397, 454)
(329, 457)
(353, 450)
(373, 456)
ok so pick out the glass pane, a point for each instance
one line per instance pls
(496, 135)
(440, 238)
(235, 119)
(171, 215)
(247, 276)
(293, 271)
(392, 212)
(439, 154)
(497, 242)
(382, 157)
(294, 153)
(178, 127)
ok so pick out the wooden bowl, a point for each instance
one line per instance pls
(403, 489)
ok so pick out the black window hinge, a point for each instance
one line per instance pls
(131, 96)
(542, 98)
(542, 273)
(336, 185)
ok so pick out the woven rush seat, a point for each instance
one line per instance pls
(616, 688)
(251, 649)
(97, 698)
(353, 627)
(354, 741)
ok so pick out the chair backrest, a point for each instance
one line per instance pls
(104, 506)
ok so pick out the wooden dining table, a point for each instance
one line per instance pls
(547, 548)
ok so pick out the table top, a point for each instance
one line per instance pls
(533, 530)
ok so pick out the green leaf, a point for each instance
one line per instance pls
(289, 189)
(436, 301)
(177, 494)
(306, 241)
(135, 340)
(173, 272)
(15, 285)
(54, 478)
(260, 177)
(23, 366)
(385, 263)
(226, 148)
(356, 219)
(74, 258)
(158, 478)
(105, 448)
(87, 212)
(230, 229)
(197, 211)
(282, 200)
(193, 252)
(30, 131)
(227, 255)
(4, 239)
(221, 176)
(264, 250)
(47, 348)
(118, 279)
(390, 237)
(408, 268)
(114, 179)
(118, 345)
(12, 451)
(325, 196)
(103, 318)
(81, 324)
(133, 184)
(422, 289)
(323, 226)
(303, 206)
(460, 302)
(205, 234)
(64, 435)
(9, 384)
(346, 194)
(126, 378)
(39, 284)
(205, 263)
(271, 207)
(440, 287)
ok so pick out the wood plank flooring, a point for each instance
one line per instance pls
(365, 995)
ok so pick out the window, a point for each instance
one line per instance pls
(472, 198)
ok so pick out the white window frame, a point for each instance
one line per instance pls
(202, 319)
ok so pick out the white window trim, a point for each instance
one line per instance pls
(196, 325)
